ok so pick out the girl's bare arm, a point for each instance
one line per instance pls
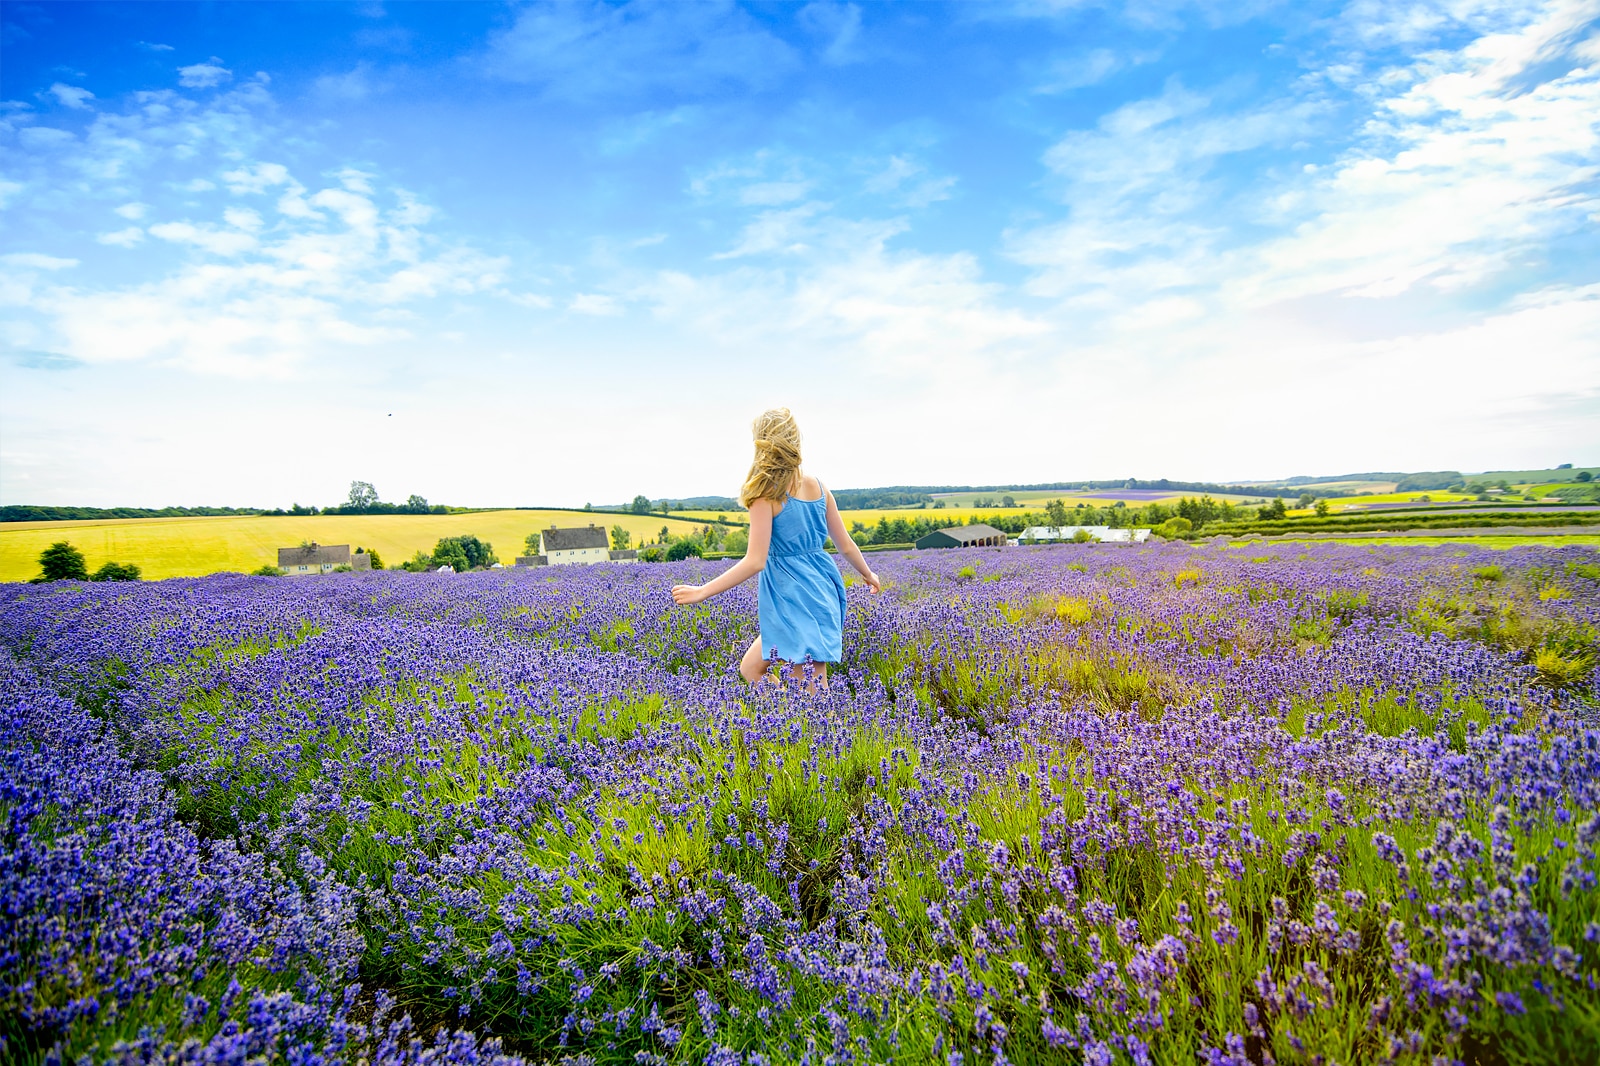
(754, 561)
(847, 547)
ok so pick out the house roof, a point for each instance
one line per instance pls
(578, 537)
(314, 555)
(624, 553)
(970, 534)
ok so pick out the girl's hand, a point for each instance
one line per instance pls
(682, 594)
(873, 582)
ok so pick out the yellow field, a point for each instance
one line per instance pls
(1435, 496)
(188, 547)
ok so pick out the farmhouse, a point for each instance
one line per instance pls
(1107, 534)
(583, 544)
(975, 536)
(317, 558)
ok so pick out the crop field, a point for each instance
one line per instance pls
(1435, 496)
(1295, 803)
(189, 547)
(1466, 543)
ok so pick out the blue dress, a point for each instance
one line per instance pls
(801, 602)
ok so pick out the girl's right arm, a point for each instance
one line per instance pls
(847, 547)
(754, 561)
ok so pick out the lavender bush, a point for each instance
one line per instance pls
(1089, 804)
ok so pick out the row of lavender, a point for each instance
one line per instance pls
(1153, 805)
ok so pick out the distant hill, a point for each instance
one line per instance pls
(888, 497)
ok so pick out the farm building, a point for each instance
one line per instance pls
(624, 555)
(317, 558)
(532, 560)
(583, 544)
(1107, 534)
(975, 536)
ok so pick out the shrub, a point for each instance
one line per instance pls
(682, 549)
(269, 571)
(117, 572)
(1172, 528)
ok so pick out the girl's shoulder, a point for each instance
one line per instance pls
(808, 488)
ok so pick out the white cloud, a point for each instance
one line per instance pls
(44, 138)
(149, 47)
(72, 96)
(38, 261)
(267, 286)
(256, 178)
(594, 303)
(594, 50)
(349, 87)
(122, 238)
(204, 75)
(839, 27)
(206, 238)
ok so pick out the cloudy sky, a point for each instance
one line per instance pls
(519, 254)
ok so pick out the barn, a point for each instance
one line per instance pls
(974, 536)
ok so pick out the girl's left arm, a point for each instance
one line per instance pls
(847, 547)
(754, 561)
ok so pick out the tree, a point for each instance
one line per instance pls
(449, 552)
(1321, 508)
(1584, 475)
(620, 538)
(1008, 501)
(372, 557)
(416, 504)
(684, 547)
(362, 495)
(1274, 511)
(640, 505)
(1306, 500)
(116, 572)
(62, 562)
(531, 544)
(738, 542)
(1056, 511)
(1173, 527)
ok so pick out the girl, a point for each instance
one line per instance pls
(801, 601)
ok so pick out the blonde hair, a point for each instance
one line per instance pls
(777, 461)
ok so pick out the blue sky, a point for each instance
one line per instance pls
(519, 254)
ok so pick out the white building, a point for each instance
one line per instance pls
(580, 545)
(317, 558)
(1104, 534)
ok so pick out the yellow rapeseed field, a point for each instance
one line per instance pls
(188, 547)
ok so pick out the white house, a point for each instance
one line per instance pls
(580, 545)
(1105, 534)
(317, 558)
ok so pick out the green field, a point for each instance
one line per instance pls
(1554, 541)
(188, 547)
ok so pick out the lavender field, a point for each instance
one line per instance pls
(1092, 804)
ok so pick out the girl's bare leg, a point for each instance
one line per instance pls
(753, 667)
(810, 675)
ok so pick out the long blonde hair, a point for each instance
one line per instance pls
(777, 462)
